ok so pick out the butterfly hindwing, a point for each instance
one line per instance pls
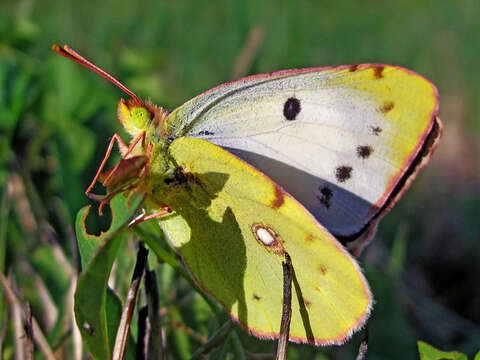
(232, 225)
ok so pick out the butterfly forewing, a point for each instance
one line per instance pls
(339, 140)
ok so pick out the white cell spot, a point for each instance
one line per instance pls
(264, 236)
(267, 237)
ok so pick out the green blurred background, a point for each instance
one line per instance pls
(56, 119)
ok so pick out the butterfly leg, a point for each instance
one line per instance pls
(107, 199)
(148, 153)
(124, 155)
(134, 186)
(123, 149)
(166, 210)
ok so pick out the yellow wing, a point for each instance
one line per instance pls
(232, 225)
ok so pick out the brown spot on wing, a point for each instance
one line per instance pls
(279, 198)
(387, 106)
(322, 268)
(309, 238)
(353, 68)
(376, 130)
(378, 72)
(256, 297)
(307, 303)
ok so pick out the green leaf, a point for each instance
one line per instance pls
(122, 214)
(97, 255)
(428, 352)
(157, 243)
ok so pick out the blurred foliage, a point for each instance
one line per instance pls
(56, 119)
(428, 352)
(97, 256)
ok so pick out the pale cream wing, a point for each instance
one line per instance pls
(342, 141)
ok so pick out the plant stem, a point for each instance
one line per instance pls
(287, 309)
(123, 330)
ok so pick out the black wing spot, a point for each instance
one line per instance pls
(343, 173)
(291, 108)
(376, 130)
(205, 132)
(325, 196)
(364, 151)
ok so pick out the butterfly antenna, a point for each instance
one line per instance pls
(71, 54)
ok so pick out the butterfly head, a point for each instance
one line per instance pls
(138, 116)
